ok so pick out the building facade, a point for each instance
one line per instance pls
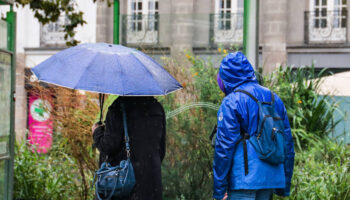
(294, 33)
(291, 32)
(37, 42)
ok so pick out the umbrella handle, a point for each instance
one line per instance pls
(101, 99)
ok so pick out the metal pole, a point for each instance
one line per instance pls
(11, 19)
(251, 31)
(116, 22)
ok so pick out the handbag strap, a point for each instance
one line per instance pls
(126, 136)
(109, 195)
(101, 100)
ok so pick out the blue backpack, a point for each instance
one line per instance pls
(268, 141)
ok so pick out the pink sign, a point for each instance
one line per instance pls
(40, 124)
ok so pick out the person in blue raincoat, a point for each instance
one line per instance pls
(239, 111)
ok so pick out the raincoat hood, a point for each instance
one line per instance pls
(235, 70)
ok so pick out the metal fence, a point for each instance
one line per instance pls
(195, 30)
(140, 29)
(324, 26)
(226, 28)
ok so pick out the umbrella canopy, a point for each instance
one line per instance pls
(107, 68)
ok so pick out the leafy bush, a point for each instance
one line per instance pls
(187, 170)
(322, 172)
(310, 115)
(73, 115)
(321, 167)
(41, 176)
(188, 162)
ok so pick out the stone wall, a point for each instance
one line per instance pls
(21, 99)
(274, 33)
(182, 26)
(296, 22)
(348, 19)
(202, 23)
(104, 22)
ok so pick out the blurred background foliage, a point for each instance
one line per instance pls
(73, 114)
(310, 114)
(51, 176)
(47, 11)
(321, 164)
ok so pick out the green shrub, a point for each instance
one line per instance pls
(307, 111)
(73, 117)
(321, 167)
(44, 176)
(187, 168)
(322, 172)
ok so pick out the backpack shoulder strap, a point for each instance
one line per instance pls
(255, 99)
(247, 93)
(272, 98)
(245, 136)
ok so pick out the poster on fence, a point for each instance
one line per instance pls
(40, 124)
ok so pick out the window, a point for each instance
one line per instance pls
(52, 34)
(5, 102)
(320, 13)
(240, 9)
(228, 21)
(225, 15)
(136, 9)
(324, 10)
(327, 21)
(142, 22)
(340, 13)
(3, 178)
(3, 33)
(5, 119)
(153, 12)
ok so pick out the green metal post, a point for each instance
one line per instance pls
(251, 31)
(11, 19)
(245, 25)
(116, 22)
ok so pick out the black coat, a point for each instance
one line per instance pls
(146, 127)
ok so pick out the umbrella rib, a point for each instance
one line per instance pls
(88, 65)
(148, 72)
(70, 55)
(162, 68)
(61, 61)
(55, 57)
(122, 74)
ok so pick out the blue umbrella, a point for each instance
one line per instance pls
(107, 68)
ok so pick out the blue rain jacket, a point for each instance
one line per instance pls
(238, 111)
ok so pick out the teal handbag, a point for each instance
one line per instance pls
(116, 181)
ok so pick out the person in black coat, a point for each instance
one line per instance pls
(146, 126)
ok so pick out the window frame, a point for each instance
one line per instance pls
(54, 37)
(232, 33)
(330, 27)
(142, 25)
(141, 18)
(332, 10)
